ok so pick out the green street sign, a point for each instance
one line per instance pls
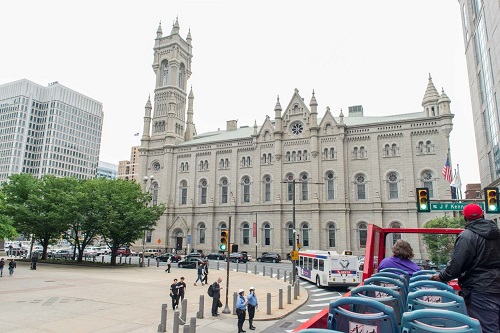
(452, 205)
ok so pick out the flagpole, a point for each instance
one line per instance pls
(460, 187)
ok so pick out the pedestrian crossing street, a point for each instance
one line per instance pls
(318, 300)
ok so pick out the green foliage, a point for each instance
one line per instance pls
(7, 229)
(440, 246)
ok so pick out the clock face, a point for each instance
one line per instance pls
(156, 166)
(297, 128)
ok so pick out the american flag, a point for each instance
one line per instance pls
(447, 170)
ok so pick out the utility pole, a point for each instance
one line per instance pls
(228, 258)
(256, 229)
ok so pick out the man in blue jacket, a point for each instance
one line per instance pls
(475, 261)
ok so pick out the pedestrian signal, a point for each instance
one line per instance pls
(491, 198)
(224, 235)
(234, 248)
(423, 204)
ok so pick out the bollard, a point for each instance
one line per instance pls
(201, 308)
(263, 270)
(93, 258)
(130, 260)
(192, 325)
(268, 303)
(246, 267)
(255, 269)
(278, 275)
(163, 323)
(295, 291)
(185, 329)
(237, 266)
(217, 264)
(176, 322)
(290, 277)
(157, 262)
(284, 275)
(120, 260)
(271, 272)
(289, 294)
(235, 298)
(298, 288)
(149, 259)
(103, 258)
(183, 311)
(280, 299)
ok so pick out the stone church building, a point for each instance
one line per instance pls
(346, 170)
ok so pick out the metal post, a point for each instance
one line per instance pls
(284, 275)
(237, 266)
(201, 307)
(294, 291)
(246, 267)
(271, 272)
(289, 294)
(290, 277)
(217, 264)
(176, 322)
(157, 263)
(256, 229)
(278, 276)
(280, 299)
(226, 308)
(268, 303)
(163, 323)
(129, 260)
(120, 260)
(192, 325)
(263, 270)
(103, 258)
(149, 259)
(184, 311)
(235, 298)
(298, 288)
(185, 329)
(294, 230)
(255, 269)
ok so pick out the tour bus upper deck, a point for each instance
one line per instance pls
(374, 253)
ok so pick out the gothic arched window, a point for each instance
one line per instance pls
(267, 234)
(267, 188)
(331, 234)
(362, 233)
(181, 77)
(246, 188)
(203, 191)
(305, 234)
(165, 74)
(290, 186)
(289, 231)
(201, 232)
(428, 180)
(361, 186)
(392, 180)
(304, 186)
(183, 190)
(224, 187)
(246, 233)
(395, 236)
(329, 185)
(154, 192)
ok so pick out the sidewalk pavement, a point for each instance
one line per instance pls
(77, 299)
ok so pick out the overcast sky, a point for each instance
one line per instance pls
(245, 53)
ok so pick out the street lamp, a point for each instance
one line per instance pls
(145, 180)
(226, 308)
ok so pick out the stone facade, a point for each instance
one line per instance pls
(347, 171)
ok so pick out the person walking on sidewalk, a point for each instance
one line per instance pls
(205, 273)
(174, 294)
(12, 266)
(181, 287)
(169, 264)
(241, 310)
(216, 298)
(252, 305)
(200, 272)
(2, 264)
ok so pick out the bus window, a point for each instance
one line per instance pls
(315, 263)
(309, 263)
(301, 262)
(321, 265)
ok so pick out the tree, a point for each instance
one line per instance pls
(125, 213)
(440, 246)
(7, 229)
(33, 205)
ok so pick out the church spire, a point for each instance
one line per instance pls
(188, 38)
(431, 94)
(159, 32)
(175, 27)
(147, 118)
(190, 128)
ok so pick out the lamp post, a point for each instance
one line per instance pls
(141, 260)
(226, 308)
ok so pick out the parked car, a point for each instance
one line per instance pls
(123, 251)
(173, 257)
(103, 250)
(62, 254)
(249, 256)
(215, 256)
(90, 252)
(190, 262)
(198, 254)
(238, 257)
(151, 253)
(269, 257)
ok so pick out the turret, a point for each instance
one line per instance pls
(430, 99)
(314, 111)
(277, 115)
(147, 118)
(159, 33)
(188, 38)
(444, 103)
(190, 128)
(175, 27)
(341, 118)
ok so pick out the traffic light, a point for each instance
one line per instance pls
(224, 235)
(423, 203)
(491, 199)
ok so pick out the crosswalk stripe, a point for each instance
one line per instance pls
(318, 305)
(325, 299)
(302, 320)
(322, 294)
(309, 287)
(308, 312)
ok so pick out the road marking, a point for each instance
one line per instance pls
(326, 299)
(322, 294)
(318, 305)
(308, 312)
(302, 320)
(309, 287)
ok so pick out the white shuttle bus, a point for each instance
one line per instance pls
(328, 268)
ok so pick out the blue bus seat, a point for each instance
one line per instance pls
(420, 277)
(385, 281)
(393, 276)
(435, 299)
(428, 284)
(387, 296)
(425, 272)
(352, 314)
(397, 271)
(432, 321)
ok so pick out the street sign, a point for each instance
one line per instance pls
(452, 206)
(159, 241)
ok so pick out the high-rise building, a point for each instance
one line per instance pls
(128, 169)
(48, 130)
(107, 170)
(337, 173)
(481, 30)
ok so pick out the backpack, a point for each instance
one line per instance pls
(210, 290)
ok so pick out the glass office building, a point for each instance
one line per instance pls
(48, 130)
